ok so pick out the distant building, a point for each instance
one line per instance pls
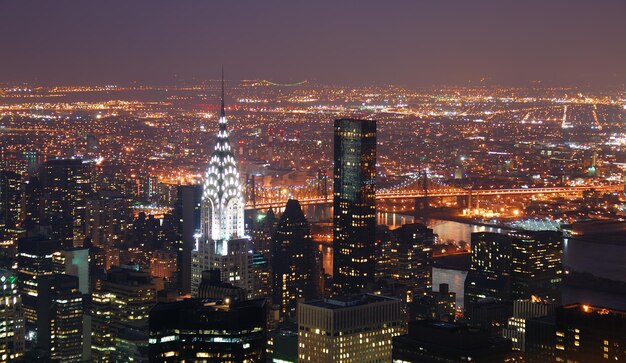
(74, 262)
(578, 334)
(196, 330)
(10, 209)
(517, 265)
(60, 317)
(356, 328)
(120, 316)
(411, 261)
(434, 305)
(437, 341)
(522, 311)
(66, 186)
(187, 218)
(163, 264)
(354, 205)
(212, 288)
(34, 260)
(11, 318)
(293, 261)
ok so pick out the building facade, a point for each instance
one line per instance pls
(221, 243)
(196, 330)
(356, 328)
(354, 205)
(293, 261)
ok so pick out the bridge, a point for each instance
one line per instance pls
(315, 195)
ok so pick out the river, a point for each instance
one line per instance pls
(603, 260)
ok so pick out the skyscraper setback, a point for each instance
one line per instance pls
(354, 203)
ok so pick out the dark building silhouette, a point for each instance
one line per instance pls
(293, 261)
(119, 313)
(10, 207)
(507, 267)
(11, 318)
(202, 330)
(34, 260)
(187, 216)
(578, 333)
(411, 257)
(433, 341)
(434, 305)
(211, 287)
(65, 188)
(60, 317)
(354, 203)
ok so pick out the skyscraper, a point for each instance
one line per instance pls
(120, 316)
(354, 203)
(293, 261)
(11, 318)
(412, 256)
(187, 217)
(221, 243)
(66, 185)
(10, 208)
(514, 266)
(507, 267)
(34, 260)
(60, 318)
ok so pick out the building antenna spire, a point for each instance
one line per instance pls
(223, 113)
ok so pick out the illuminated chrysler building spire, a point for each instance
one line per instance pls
(222, 198)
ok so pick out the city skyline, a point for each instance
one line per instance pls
(407, 182)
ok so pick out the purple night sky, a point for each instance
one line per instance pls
(410, 42)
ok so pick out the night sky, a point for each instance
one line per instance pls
(412, 43)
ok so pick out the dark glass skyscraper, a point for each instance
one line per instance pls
(292, 260)
(354, 203)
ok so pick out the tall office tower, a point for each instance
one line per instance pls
(10, 208)
(412, 257)
(490, 269)
(66, 186)
(261, 281)
(356, 328)
(32, 207)
(222, 244)
(438, 341)
(74, 262)
(60, 318)
(522, 311)
(187, 216)
(354, 205)
(383, 252)
(537, 265)
(109, 218)
(34, 260)
(120, 316)
(196, 330)
(577, 333)
(263, 232)
(11, 318)
(293, 261)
